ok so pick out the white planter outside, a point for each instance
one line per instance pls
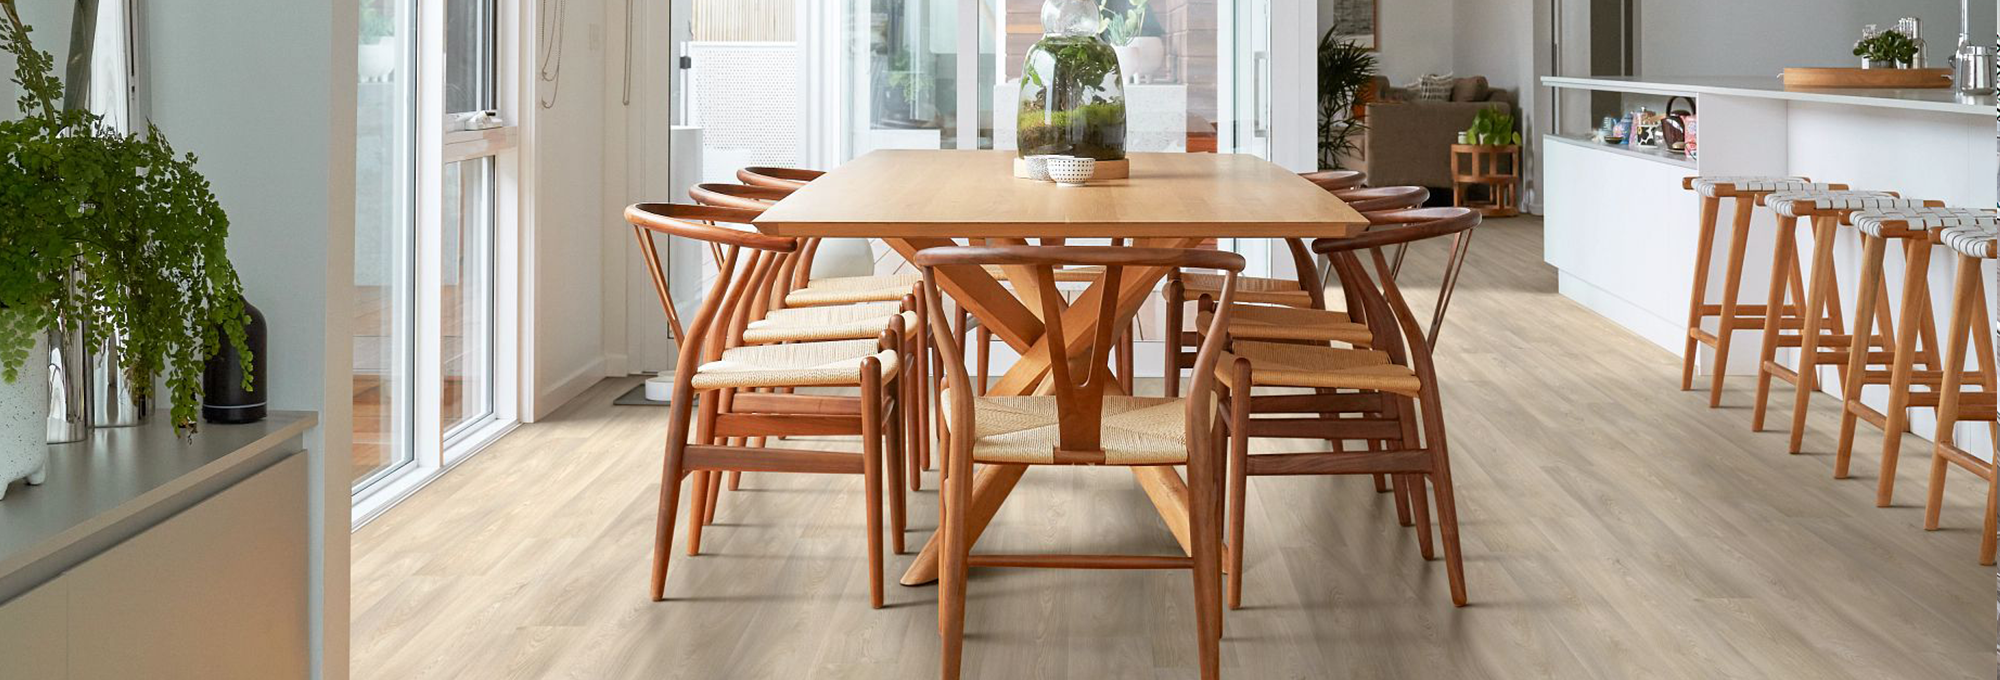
(843, 257)
(378, 59)
(24, 417)
(1142, 59)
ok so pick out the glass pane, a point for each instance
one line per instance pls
(384, 238)
(466, 276)
(901, 68)
(468, 56)
(742, 84)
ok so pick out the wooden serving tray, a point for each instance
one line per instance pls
(1119, 169)
(1889, 78)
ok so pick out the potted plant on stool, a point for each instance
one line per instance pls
(1488, 157)
(111, 230)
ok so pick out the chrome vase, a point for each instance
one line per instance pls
(69, 401)
(113, 401)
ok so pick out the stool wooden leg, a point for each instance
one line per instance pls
(1965, 283)
(1916, 275)
(1784, 265)
(1866, 317)
(1704, 251)
(1986, 534)
(1816, 301)
(1732, 284)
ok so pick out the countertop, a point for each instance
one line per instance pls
(105, 489)
(1771, 87)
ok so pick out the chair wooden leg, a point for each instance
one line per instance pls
(916, 410)
(1816, 303)
(1170, 335)
(1987, 534)
(1917, 260)
(1381, 483)
(697, 509)
(1421, 510)
(871, 466)
(1402, 495)
(956, 508)
(1239, 478)
(1784, 265)
(1866, 318)
(896, 454)
(671, 478)
(1205, 532)
(1732, 284)
(1704, 251)
(982, 357)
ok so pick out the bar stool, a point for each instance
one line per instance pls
(715, 366)
(1974, 245)
(1746, 191)
(1817, 329)
(1916, 339)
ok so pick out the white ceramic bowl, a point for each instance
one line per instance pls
(1071, 171)
(1038, 167)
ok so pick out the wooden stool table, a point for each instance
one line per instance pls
(915, 200)
(1497, 169)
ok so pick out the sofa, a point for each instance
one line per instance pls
(1408, 141)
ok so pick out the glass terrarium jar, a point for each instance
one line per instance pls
(1072, 99)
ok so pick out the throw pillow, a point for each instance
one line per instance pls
(1472, 89)
(1435, 88)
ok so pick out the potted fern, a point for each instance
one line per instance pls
(113, 231)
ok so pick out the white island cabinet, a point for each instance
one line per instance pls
(1623, 233)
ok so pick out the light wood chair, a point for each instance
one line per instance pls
(1916, 362)
(1817, 330)
(1730, 316)
(1084, 422)
(1969, 321)
(1384, 396)
(764, 186)
(717, 371)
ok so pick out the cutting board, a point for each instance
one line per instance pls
(1884, 78)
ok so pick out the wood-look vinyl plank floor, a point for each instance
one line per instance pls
(1613, 526)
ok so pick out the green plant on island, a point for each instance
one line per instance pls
(1121, 27)
(1887, 46)
(113, 231)
(1345, 70)
(1492, 127)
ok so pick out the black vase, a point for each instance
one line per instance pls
(224, 399)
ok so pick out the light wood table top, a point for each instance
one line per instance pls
(905, 193)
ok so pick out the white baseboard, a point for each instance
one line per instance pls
(552, 396)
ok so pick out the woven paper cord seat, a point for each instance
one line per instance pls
(839, 322)
(1249, 289)
(1137, 430)
(808, 364)
(1261, 322)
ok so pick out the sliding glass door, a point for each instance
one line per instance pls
(436, 169)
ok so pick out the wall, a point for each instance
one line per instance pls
(262, 91)
(1415, 36)
(1731, 37)
(570, 218)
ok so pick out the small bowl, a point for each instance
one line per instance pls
(1038, 167)
(1071, 171)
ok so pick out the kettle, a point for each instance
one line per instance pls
(1675, 127)
(1973, 69)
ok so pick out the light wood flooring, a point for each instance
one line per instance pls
(1614, 528)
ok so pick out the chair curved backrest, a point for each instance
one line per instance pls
(740, 196)
(1337, 180)
(775, 177)
(1080, 401)
(1399, 228)
(1378, 199)
(731, 288)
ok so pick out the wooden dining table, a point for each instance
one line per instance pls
(917, 199)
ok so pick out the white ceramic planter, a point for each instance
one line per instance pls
(378, 59)
(24, 417)
(838, 257)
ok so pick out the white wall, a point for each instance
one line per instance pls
(570, 217)
(1416, 36)
(263, 92)
(1733, 37)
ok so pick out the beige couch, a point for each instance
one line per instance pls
(1408, 142)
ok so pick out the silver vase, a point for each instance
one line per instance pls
(69, 402)
(113, 403)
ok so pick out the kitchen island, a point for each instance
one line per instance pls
(1623, 233)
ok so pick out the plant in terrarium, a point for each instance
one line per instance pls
(1072, 99)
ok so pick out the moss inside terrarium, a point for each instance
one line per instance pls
(1072, 102)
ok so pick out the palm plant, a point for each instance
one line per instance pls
(1346, 68)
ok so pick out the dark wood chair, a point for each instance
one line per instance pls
(1084, 422)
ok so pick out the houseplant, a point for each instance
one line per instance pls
(1140, 56)
(378, 53)
(1072, 100)
(1492, 127)
(1345, 70)
(115, 231)
(1887, 49)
